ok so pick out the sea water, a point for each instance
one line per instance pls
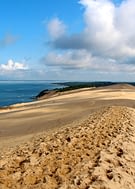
(13, 92)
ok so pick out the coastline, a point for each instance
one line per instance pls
(104, 117)
(64, 87)
(13, 92)
(62, 109)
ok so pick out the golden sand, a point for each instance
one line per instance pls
(86, 141)
(97, 154)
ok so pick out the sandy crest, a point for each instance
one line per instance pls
(99, 153)
(20, 122)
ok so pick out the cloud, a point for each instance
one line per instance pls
(8, 40)
(68, 60)
(12, 66)
(106, 43)
(82, 59)
(56, 28)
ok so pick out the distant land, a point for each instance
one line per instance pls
(78, 85)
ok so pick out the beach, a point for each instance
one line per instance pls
(77, 139)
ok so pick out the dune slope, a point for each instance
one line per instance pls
(97, 154)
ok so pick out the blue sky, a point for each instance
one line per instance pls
(67, 39)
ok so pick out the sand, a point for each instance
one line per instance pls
(84, 139)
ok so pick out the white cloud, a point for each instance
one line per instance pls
(82, 59)
(99, 18)
(56, 28)
(106, 43)
(110, 29)
(69, 59)
(12, 66)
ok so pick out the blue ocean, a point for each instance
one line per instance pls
(13, 92)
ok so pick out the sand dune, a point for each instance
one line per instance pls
(98, 153)
(79, 140)
(119, 86)
(29, 118)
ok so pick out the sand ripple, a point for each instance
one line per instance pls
(97, 154)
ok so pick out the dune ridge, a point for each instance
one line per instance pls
(97, 154)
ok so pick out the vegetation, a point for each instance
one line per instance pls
(78, 85)
(72, 86)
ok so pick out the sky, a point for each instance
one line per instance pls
(74, 40)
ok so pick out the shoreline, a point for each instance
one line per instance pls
(44, 97)
(84, 136)
(58, 93)
(69, 87)
(64, 108)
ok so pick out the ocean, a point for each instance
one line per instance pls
(13, 92)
